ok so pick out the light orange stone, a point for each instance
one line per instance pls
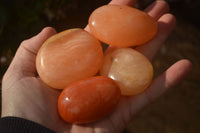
(67, 57)
(122, 26)
(131, 70)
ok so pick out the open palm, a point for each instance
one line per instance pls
(25, 95)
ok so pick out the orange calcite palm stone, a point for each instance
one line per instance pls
(88, 100)
(131, 70)
(67, 57)
(122, 26)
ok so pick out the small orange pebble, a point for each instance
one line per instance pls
(131, 70)
(67, 57)
(122, 26)
(88, 100)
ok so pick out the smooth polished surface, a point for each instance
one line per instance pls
(122, 26)
(131, 70)
(67, 57)
(88, 100)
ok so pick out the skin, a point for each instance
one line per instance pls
(24, 95)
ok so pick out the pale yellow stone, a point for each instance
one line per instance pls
(131, 70)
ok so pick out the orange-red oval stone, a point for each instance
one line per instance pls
(122, 26)
(88, 100)
(131, 70)
(67, 57)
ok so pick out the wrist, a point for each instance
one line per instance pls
(16, 124)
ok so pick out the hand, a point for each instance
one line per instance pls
(25, 95)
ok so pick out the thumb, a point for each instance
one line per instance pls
(23, 63)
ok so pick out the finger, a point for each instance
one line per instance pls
(24, 60)
(157, 9)
(33, 44)
(118, 2)
(171, 77)
(166, 24)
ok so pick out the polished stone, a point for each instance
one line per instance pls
(122, 26)
(88, 100)
(67, 57)
(131, 70)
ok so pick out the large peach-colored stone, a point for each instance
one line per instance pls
(122, 26)
(131, 70)
(67, 57)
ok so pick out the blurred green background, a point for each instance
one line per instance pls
(178, 111)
